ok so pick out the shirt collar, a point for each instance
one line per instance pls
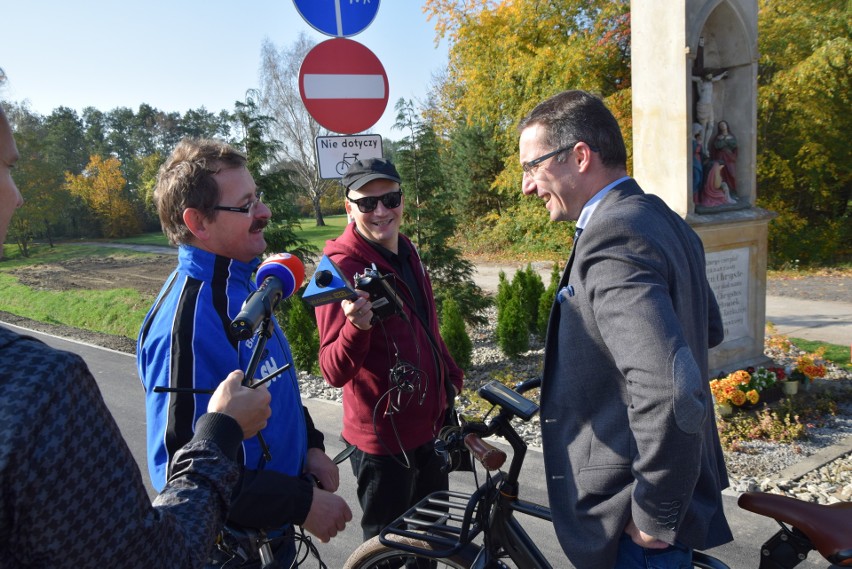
(592, 204)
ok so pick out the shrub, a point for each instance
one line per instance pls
(530, 289)
(512, 328)
(545, 302)
(766, 424)
(301, 331)
(454, 333)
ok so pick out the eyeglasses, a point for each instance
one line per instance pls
(531, 166)
(390, 200)
(247, 209)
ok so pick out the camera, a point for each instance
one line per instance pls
(385, 301)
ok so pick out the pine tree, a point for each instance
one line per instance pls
(430, 216)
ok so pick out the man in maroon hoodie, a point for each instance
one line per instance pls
(398, 377)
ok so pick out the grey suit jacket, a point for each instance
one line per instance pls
(627, 417)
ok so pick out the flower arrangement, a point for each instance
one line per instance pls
(742, 386)
(808, 367)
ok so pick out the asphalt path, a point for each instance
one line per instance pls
(115, 373)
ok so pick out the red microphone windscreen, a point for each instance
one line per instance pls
(288, 268)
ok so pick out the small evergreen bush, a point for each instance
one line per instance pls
(301, 332)
(546, 300)
(530, 289)
(454, 333)
(513, 335)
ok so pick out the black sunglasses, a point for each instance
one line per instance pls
(390, 200)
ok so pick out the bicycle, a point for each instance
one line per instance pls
(344, 164)
(444, 526)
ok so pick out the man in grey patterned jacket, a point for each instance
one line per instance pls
(71, 494)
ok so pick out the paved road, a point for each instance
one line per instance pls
(115, 373)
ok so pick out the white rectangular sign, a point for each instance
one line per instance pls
(336, 153)
(727, 272)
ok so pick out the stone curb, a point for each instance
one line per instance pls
(816, 460)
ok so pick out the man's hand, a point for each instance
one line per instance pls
(642, 539)
(328, 515)
(249, 407)
(323, 468)
(359, 311)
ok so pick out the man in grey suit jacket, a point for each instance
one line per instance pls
(632, 456)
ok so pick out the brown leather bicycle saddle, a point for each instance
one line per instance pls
(829, 527)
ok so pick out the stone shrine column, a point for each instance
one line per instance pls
(694, 75)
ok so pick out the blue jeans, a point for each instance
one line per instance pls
(632, 556)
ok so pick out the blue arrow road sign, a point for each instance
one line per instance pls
(338, 18)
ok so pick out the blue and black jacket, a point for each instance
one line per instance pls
(184, 342)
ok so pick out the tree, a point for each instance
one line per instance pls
(102, 187)
(803, 167)
(542, 48)
(293, 126)
(40, 181)
(430, 217)
(65, 141)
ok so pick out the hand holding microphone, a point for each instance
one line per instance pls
(278, 277)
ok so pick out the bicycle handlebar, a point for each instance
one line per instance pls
(488, 456)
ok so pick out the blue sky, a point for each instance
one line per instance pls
(181, 54)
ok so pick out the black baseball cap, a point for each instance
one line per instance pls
(363, 171)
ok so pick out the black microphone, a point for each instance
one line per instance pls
(278, 277)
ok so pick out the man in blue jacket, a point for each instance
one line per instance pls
(209, 205)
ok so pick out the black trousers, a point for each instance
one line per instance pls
(387, 488)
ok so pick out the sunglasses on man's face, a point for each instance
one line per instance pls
(390, 200)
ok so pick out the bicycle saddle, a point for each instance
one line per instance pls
(829, 527)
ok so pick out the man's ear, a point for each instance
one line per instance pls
(583, 155)
(196, 223)
(347, 205)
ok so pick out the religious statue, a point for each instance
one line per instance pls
(715, 191)
(704, 106)
(724, 150)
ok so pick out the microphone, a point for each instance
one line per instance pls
(278, 277)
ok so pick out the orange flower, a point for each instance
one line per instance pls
(753, 396)
(738, 397)
(740, 377)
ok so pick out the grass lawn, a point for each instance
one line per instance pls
(317, 236)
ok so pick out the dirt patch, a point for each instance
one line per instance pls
(145, 274)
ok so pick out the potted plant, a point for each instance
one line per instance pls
(807, 368)
(739, 388)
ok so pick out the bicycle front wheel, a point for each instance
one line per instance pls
(374, 554)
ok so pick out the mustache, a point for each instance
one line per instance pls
(259, 225)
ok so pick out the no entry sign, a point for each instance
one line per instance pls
(344, 86)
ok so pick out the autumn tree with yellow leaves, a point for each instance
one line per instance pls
(103, 188)
(505, 56)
